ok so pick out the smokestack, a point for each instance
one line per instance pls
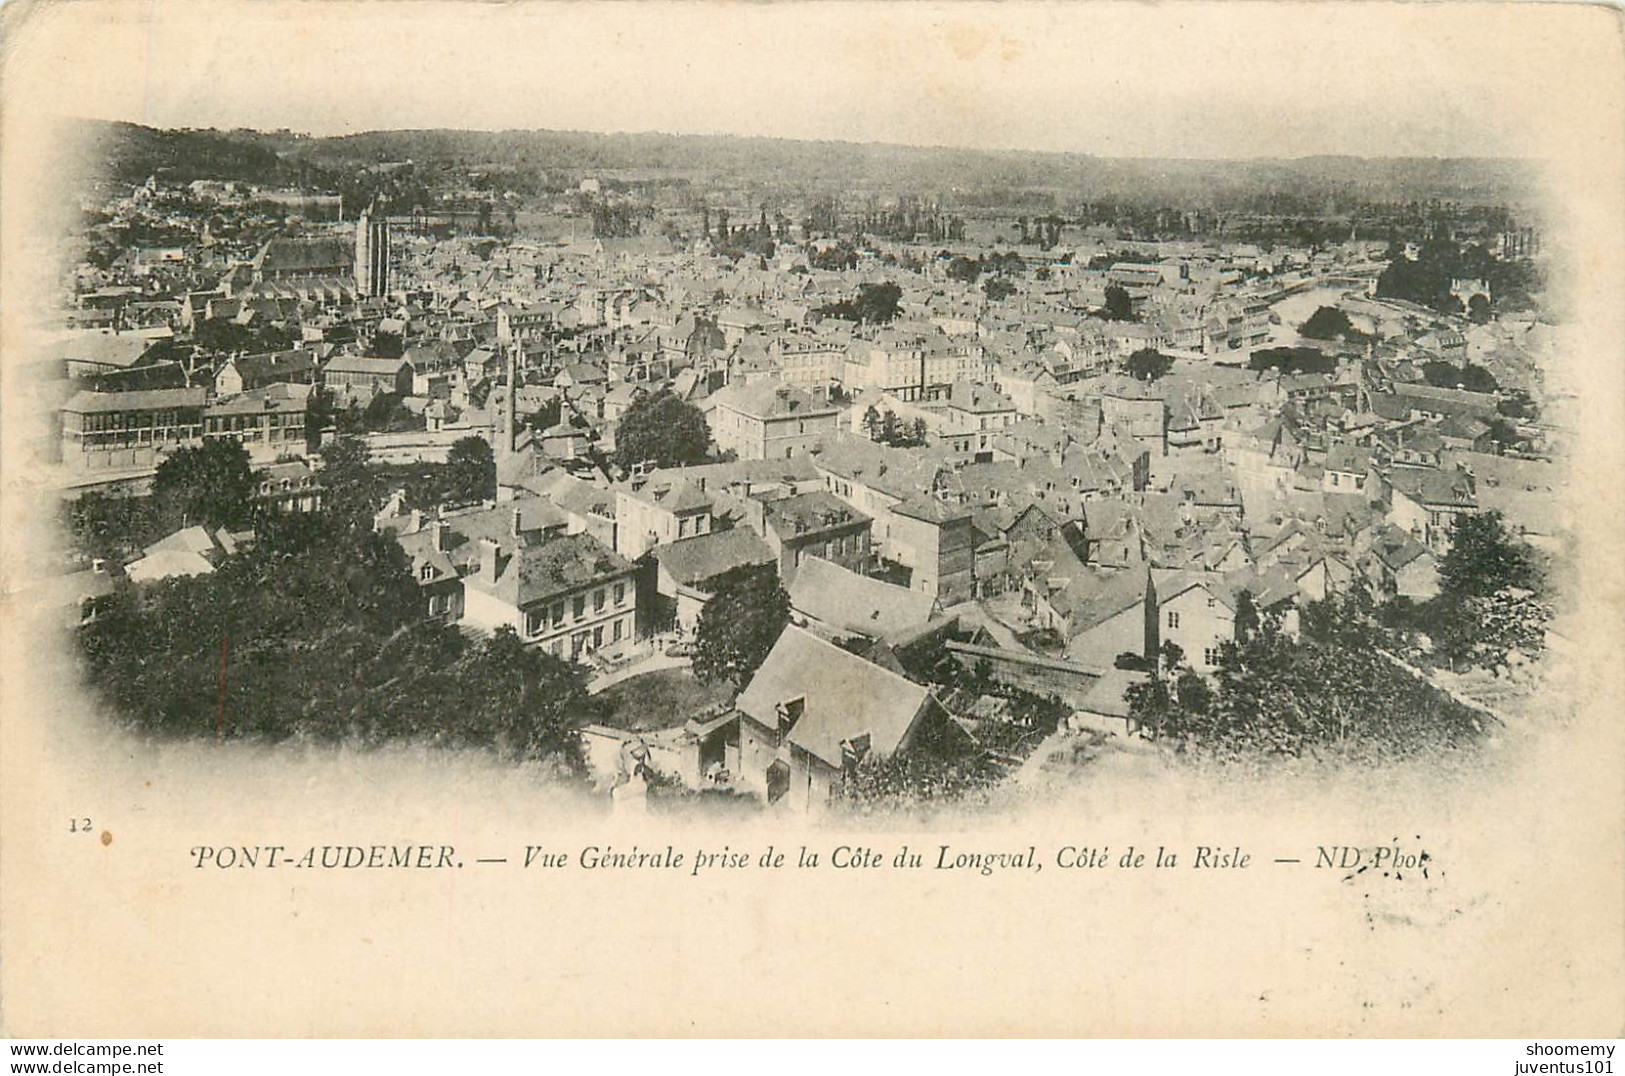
(442, 535)
(510, 435)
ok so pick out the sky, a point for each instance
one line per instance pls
(1114, 79)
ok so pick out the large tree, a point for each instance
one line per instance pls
(661, 429)
(212, 483)
(1293, 360)
(740, 624)
(497, 693)
(1491, 599)
(875, 304)
(1332, 690)
(1119, 304)
(1329, 323)
(1148, 364)
(351, 489)
(1485, 557)
(964, 269)
(318, 633)
(471, 472)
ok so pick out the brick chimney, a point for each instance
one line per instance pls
(441, 534)
(518, 522)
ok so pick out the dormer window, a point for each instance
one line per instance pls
(426, 573)
(789, 712)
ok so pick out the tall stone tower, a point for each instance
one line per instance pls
(371, 252)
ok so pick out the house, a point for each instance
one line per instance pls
(429, 547)
(580, 374)
(589, 507)
(1196, 611)
(269, 422)
(812, 524)
(618, 400)
(1105, 704)
(1106, 615)
(686, 571)
(768, 420)
(1102, 615)
(1399, 566)
(835, 603)
(814, 711)
(360, 377)
(1135, 410)
(1345, 468)
(874, 479)
(565, 442)
(655, 512)
(189, 551)
(975, 413)
(289, 486)
(1527, 493)
(937, 543)
(243, 373)
(76, 598)
(566, 593)
(99, 351)
(1428, 401)
(1425, 502)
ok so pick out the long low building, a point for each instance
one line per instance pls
(106, 431)
(128, 430)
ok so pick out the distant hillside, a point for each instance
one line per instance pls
(132, 153)
(1308, 184)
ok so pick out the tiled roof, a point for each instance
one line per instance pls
(843, 697)
(693, 561)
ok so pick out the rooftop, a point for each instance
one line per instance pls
(842, 697)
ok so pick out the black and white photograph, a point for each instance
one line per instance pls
(1069, 519)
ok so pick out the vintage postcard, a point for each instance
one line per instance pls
(832, 519)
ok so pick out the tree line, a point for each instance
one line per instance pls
(317, 631)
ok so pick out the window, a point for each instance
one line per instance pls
(1210, 655)
(682, 526)
(615, 632)
(427, 573)
(579, 607)
(556, 615)
(598, 600)
(533, 622)
(1173, 619)
(1211, 603)
(620, 593)
(439, 604)
(598, 637)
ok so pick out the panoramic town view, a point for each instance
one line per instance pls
(766, 475)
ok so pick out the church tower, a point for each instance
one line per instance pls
(371, 253)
